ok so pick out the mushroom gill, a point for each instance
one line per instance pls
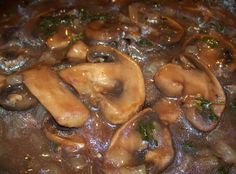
(113, 80)
(144, 139)
(65, 107)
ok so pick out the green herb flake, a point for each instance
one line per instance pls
(223, 170)
(188, 146)
(101, 17)
(146, 131)
(144, 42)
(211, 42)
(205, 106)
(48, 24)
(78, 36)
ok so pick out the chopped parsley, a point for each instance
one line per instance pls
(223, 170)
(78, 36)
(205, 106)
(144, 42)
(85, 15)
(48, 24)
(188, 146)
(211, 42)
(146, 129)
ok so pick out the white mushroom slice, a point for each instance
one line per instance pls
(60, 39)
(204, 97)
(65, 107)
(117, 85)
(143, 139)
(77, 52)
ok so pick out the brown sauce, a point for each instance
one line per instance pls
(119, 86)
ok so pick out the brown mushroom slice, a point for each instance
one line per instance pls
(142, 140)
(213, 50)
(65, 107)
(194, 84)
(158, 28)
(116, 85)
(103, 30)
(62, 135)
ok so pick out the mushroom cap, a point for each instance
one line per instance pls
(117, 86)
(128, 147)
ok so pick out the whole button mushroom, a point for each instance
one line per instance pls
(112, 79)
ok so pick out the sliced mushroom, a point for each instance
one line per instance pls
(159, 29)
(103, 30)
(65, 107)
(62, 135)
(14, 95)
(214, 51)
(77, 52)
(199, 89)
(116, 83)
(142, 140)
